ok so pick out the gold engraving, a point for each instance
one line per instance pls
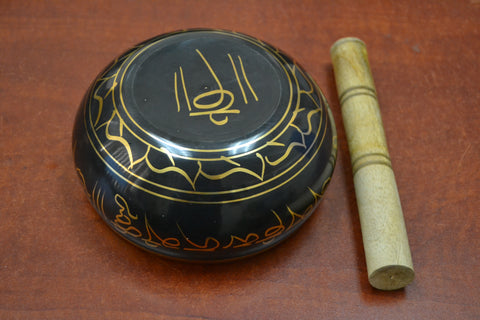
(246, 79)
(294, 216)
(231, 171)
(176, 92)
(217, 108)
(295, 143)
(250, 239)
(286, 154)
(210, 244)
(266, 164)
(238, 79)
(126, 223)
(123, 220)
(100, 99)
(119, 138)
(82, 178)
(218, 192)
(121, 128)
(316, 196)
(281, 62)
(168, 169)
(184, 90)
(230, 161)
(155, 241)
(96, 201)
(325, 185)
(274, 231)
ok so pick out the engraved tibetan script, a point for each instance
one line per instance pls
(220, 101)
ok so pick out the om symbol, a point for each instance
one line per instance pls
(219, 109)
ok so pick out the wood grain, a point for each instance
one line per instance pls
(58, 260)
(385, 240)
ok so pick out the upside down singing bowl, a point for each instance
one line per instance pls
(204, 145)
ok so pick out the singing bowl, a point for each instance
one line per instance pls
(204, 145)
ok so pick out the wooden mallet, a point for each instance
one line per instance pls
(387, 252)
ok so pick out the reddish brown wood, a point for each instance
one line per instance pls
(58, 260)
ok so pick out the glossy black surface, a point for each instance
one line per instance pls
(204, 145)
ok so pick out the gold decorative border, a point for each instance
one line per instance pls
(95, 126)
(126, 223)
(261, 45)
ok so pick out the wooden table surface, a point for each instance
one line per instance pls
(58, 260)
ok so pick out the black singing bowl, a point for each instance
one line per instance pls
(204, 145)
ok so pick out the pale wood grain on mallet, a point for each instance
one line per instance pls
(387, 252)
